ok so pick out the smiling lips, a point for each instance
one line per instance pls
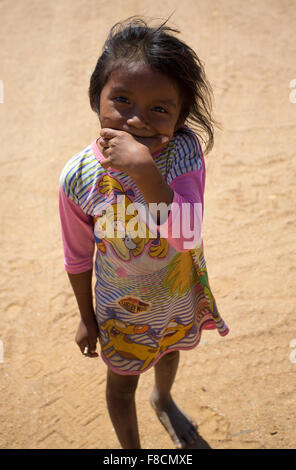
(143, 139)
(137, 137)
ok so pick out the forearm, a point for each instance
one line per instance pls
(82, 286)
(153, 186)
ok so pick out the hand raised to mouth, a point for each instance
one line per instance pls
(153, 142)
(126, 152)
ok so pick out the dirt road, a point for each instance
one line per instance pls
(241, 388)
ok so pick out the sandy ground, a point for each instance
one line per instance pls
(241, 388)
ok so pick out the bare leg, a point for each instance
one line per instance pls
(180, 427)
(120, 395)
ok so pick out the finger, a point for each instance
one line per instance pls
(92, 354)
(82, 346)
(104, 142)
(105, 163)
(92, 346)
(109, 133)
(88, 352)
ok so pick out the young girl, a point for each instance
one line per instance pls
(136, 193)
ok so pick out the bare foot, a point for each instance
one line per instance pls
(181, 428)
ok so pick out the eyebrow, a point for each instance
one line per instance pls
(167, 102)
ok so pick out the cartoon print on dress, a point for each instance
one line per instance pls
(134, 304)
(122, 217)
(120, 343)
(173, 333)
(159, 247)
(108, 184)
(99, 241)
(101, 246)
(203, 285)
(186, 270)
(206, 298)
(121, 229)
(99, 235)
(180, 273)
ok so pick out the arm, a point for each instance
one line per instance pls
(181, 221)
(78, 242)
(152, 185)
(88, 331)
(182, 224)
(77, 235)
(82, 287)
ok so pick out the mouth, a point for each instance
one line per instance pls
(144, 138)
(153, 142)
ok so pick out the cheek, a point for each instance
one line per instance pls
(167, 128)
(109, 116)
(169, 123)
(160, 121)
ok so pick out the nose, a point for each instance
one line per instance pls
(137, 119)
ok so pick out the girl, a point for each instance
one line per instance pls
(136, 193)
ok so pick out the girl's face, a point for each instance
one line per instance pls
(142, 102)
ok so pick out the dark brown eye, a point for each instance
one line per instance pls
(121, 99)
(159, 109)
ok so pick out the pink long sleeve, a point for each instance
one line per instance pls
(77, 235)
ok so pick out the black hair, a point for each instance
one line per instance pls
(132, 40)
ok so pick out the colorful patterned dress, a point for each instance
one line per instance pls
(152, 291)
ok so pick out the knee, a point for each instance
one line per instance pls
(121, 387)
(168, 362)
(171, 356)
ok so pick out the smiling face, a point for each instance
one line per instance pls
(142, 102)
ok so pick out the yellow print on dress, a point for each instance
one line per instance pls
(121, 225)
(119, 342)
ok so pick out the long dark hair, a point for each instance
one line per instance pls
(133, 40)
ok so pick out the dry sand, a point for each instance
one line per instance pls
(241, 388)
